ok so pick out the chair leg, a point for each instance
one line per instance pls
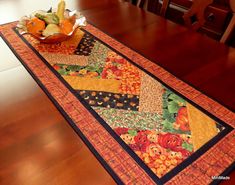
(165, 5)
(134, 2)
(142, 3)
(229, 30)
(231, 25)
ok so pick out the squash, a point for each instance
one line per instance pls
(35, 26)
(66, 26)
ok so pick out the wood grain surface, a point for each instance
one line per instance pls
(37, 145)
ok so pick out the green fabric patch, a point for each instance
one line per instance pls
(76, 70)
(98, 55)
(130, 119)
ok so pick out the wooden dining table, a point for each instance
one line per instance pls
(37, 145)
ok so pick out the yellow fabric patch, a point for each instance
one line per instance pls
(202, 127)
(93, 84)
(75, 39)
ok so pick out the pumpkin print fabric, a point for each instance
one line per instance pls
(160, 151)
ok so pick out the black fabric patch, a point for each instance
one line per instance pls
(86, 45)
(110, 100)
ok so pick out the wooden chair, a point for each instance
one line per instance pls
(197, 11)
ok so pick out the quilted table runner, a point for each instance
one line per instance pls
(143, 124)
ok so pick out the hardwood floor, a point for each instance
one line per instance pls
(38, 146)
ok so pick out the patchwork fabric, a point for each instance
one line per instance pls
(130, 79)
(130, 119)
(127, 98)
(98, 55)
(202, 127)
(163, 130)
(118, 68)
(67, 47)
(93, 84)
(162, 152)
(151, 92)
(111, 100)
(86, 45)
(56, 58)
(78, 70)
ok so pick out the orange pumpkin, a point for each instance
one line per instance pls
(170, 141)
(182, 119)
(35, 26)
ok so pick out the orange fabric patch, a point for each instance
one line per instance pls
(130, 80)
